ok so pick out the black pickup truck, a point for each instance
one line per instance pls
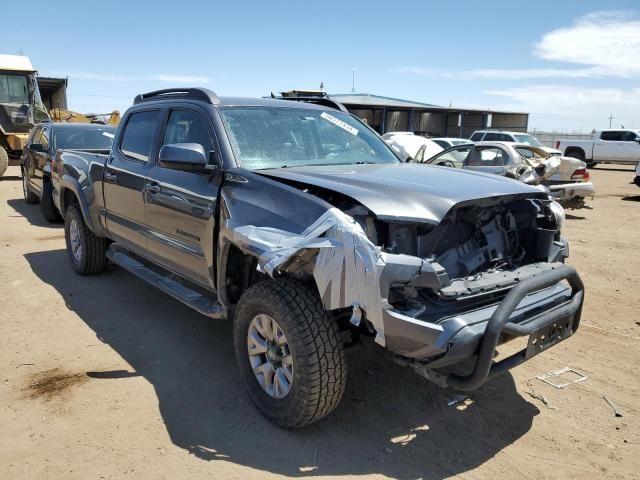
(44, 141)
(299, 223)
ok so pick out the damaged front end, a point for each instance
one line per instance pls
(440, 296)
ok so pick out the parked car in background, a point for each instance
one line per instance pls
(567, 181)
(388, 135)
(637, 179)
(299, 222)
(516, 137)
(407, 146)
(607, 146)
(447, 142)
(44, 141)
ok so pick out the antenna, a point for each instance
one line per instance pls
(353, 80)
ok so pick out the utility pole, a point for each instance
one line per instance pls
(353, 80)
(611, 117)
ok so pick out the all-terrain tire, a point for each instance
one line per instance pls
(29, 196)
(4, 161)
(90, 256)
(47, 207)
(319, 365)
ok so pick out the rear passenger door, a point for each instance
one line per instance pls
(608, 145)
(181, 205)
(125, 178)
(37, 158)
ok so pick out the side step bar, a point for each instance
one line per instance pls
(177, 290)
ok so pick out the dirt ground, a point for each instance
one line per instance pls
(106, 377)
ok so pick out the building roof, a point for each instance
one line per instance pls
(366, 99)
(18, 63)
(378, 100)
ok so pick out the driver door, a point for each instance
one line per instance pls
(181, 205)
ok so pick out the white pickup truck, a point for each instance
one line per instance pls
(606, 146)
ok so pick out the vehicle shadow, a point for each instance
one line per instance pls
(631, 198)
(8, 178)
(569, 216)
(391, 421)
(613, 168)
(32, 213)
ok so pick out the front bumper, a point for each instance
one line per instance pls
(540, 307)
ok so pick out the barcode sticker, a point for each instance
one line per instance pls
(339, 123)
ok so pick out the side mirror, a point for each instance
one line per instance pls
(37, 147)
(183, 156)
(638, 139)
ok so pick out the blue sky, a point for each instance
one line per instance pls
(570, 63)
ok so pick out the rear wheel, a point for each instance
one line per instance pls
(86, 250)
(29, 196)
(47, 207)
(290, 352)
(4, 161)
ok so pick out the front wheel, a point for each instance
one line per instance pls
(290, 352)
(86, 250)
(4, 161)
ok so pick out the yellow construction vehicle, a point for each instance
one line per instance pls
(60, 115)
(20, 107)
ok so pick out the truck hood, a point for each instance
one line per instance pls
(404, 191)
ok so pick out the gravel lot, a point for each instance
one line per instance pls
(106, 377)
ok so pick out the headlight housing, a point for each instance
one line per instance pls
(558, 212)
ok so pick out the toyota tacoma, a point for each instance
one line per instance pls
(301, 225)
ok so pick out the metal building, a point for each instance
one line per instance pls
(387, 114)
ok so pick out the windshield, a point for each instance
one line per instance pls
(528, 139)
(276, 137)
(83, 138)
(13, 89)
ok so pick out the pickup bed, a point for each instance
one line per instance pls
(299, 223)
(607, 146)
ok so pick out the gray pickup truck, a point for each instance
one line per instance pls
(299, 223)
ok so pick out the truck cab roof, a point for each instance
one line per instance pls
(208, 96)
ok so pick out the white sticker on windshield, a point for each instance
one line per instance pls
(340, 123)
(108, 134)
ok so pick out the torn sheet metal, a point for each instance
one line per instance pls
(532, 172)
(347, 268)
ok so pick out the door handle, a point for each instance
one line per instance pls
(110, 177)
(152, 187)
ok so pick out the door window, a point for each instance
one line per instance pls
(498, 137)
(629, 137)
(457, 156)
(40, 136)
(186, 126)
(476, 137)
(486, 157)
(35, 136)
(612, 136)
(137, 139)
